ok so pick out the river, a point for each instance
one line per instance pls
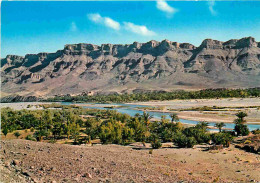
(131, 109)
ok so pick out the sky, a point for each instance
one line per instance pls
(45, 26)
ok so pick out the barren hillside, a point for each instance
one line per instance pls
(153, 65)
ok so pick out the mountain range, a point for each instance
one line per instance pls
(150, 66)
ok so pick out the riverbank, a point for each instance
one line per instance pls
(225, 109)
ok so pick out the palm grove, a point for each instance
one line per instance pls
(54, 122)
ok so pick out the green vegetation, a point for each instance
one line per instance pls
(180, 94)
(257, 131)
(240, 127)
(182, 140)
(17, 134)
(223, 138)
(30, 137)
(220, 126)
(5, 131)
(82, 125)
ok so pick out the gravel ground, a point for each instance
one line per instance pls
(28, 161)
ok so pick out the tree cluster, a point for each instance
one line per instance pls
(161, 95)
(110, 126)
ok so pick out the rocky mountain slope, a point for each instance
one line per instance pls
(153, 65)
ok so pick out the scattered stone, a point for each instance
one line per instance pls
(26, 173)
(42, 169)
(113, 163)
(53, 169)
(16, 162)
(7, 164)
(88, 175)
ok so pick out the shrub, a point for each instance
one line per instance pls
(30, 137)
(111, 132)
(5, 131)
(182, 140)
(222, 139)
(40, 134)
(200, 134)
(257, 131)
(17, 134)
(53, 141)
(156, 144)
(191, 141)
(167, 135)
(32, 129)
(241, 129)
(155, 141)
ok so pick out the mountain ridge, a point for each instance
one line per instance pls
(153, 65)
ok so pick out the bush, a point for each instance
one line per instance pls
(53, 141)
(5, 131)
(17, 134)
(200, 134)
(40, 134)
(155, 141)
(111, 132)
(30, 137)
(241, 129)
(156, 144)
(222, 139)
(32, 129)
(257, 131)
(182, 140)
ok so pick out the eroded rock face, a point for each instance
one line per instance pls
(165, 64)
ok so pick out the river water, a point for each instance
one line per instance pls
(131, 109)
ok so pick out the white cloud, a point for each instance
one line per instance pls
(73, 27)
(109, 22)
(165, 7)
(138, 29)
(211, 5)
(95, 17)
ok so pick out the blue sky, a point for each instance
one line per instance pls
(33, 27)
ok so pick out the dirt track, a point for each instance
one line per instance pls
(45, 162)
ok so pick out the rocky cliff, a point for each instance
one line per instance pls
(154, 65)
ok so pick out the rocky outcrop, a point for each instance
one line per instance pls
(148, 66)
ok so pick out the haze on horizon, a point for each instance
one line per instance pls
(33, 27)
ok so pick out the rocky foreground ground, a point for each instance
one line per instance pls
(28, 161)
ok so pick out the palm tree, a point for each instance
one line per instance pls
(240, 118)
(147, 117)
(220, 126)
(174, 117)
(202, 125)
